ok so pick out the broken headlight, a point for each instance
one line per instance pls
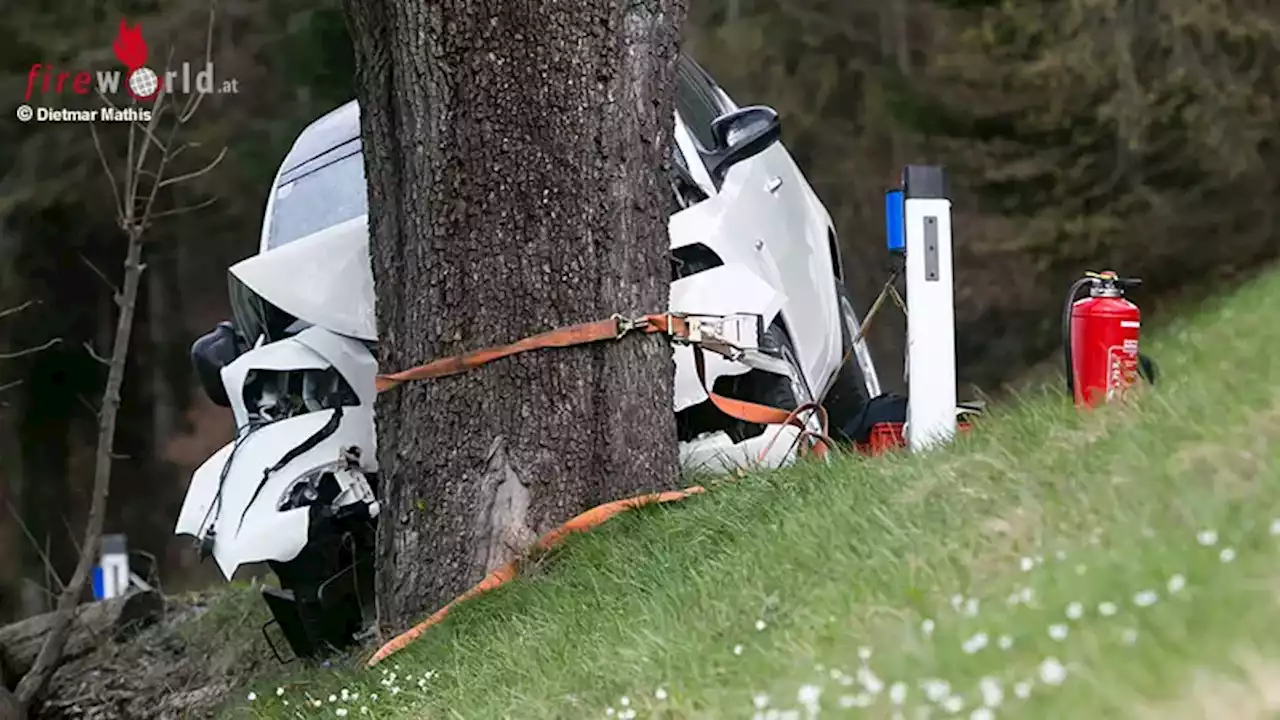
(318, 486)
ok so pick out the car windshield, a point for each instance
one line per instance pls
(319, 199)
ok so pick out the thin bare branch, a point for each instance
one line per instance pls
(193, 102)
(88, 347)
(15, 310)
(88, 405)
(106, 167)
(31, 350)
(96, 271)
(184, 209)
(197, 173)
(11, 385)
(35, 544)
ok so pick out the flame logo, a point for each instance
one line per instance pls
(129, 46)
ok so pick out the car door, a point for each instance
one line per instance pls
(742, 204)
(768, 199)
(803, 255)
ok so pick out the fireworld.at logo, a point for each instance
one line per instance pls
(139, 80)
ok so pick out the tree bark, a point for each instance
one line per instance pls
(91, 625)
(515, 153)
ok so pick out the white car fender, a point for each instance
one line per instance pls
(265, 533)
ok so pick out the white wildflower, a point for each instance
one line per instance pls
(953, 704)
(864, 653)
(627, 714)
(660, 694)
(279, 692)
(1075, 611)
(975, 643)
(760, 625)
(936, 690)
(927, 626)
(253, 696)
(1022, 690)
(956, 601)
(992, 693)
(1176, 583)
(1129, 636)
(982, 714)
(340, 712)
(1061, 555)
(1207, 537)
(1027, 563)
(625, 701)
(1275, 526)
(1227, 555)
(345, 693)
(761, 701)
(737, 649)
(971, 607)
(1027, 595)
(1052, 672)
(1058, 632)
(808, 697)
(898, 693)
(609, 712)
(861, 700)
(869, 681)
(1107, 609)
(1146, 598)
(333, 698)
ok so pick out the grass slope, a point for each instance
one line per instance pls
(1112, 564)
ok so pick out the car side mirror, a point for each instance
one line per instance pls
(740, 135)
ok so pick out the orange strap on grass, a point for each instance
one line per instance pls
(581, 334)
(581, 523)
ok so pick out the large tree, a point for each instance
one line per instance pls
(515, 152)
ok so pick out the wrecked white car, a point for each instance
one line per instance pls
(297, 487)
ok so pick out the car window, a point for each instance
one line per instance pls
(321, 198)
(696, 101)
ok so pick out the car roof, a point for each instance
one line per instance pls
(342, 125)
(333, 129)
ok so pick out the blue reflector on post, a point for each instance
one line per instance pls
(894, 213)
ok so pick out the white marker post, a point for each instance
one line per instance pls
(931, 323)
(115, 566)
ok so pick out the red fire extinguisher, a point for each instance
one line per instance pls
(1101, 340)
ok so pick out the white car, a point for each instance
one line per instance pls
(752, 232)
(297, 489)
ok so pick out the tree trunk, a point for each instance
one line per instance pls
(515, 155)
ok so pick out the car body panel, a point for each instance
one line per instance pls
(267, 533)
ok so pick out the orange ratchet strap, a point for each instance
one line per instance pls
(680, 327)
(580, 523)
(683, 329)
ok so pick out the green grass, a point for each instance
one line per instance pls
(776, 584)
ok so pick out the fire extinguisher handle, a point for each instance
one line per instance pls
(1129, 283)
